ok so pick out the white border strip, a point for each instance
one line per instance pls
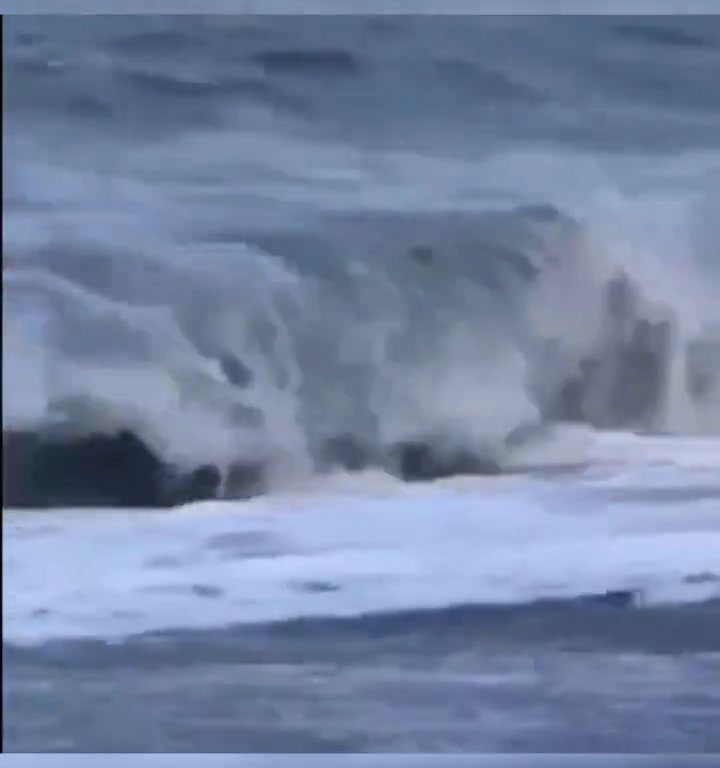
(354, 761)
(343, 7)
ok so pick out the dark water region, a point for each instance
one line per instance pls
(363, 77)
(520, 679)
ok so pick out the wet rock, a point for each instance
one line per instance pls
(345, 451)
(422, 460)
(245, 480)
(117, 470)
(201, 484)
(96, 470)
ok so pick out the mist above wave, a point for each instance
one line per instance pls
(424, 344)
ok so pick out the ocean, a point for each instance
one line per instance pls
(410, 325)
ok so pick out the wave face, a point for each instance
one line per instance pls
(239, 238)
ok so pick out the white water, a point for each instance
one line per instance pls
(382, 545)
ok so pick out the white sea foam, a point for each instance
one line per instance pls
(370, 543)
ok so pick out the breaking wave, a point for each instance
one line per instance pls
(380, 329)
(240, 297)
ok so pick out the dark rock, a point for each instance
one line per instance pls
(418, 460)
(245, 480)
(202, 483)
(345, 451)
(116, 470)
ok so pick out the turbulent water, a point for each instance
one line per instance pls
(238, 237)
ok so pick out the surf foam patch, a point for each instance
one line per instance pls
(335, 552)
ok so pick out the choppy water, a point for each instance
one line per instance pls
(392, 223)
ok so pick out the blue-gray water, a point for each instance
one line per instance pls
(505, 680)
(386, 219)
